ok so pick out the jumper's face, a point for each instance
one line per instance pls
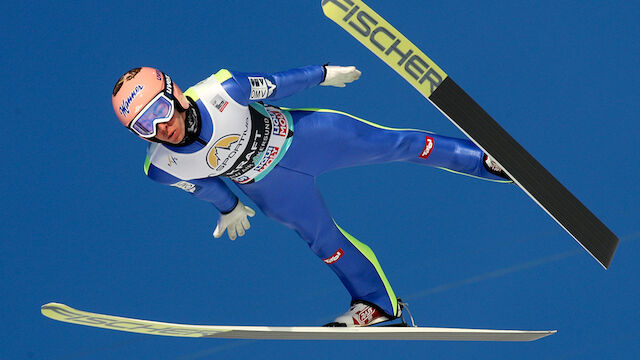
(172, 131)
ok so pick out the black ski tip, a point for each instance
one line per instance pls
(605, 260)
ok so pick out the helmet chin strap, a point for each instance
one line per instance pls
(192, 124)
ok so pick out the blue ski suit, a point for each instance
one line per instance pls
(262, 148)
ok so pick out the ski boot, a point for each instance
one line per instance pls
(363, 313)
(493, 167)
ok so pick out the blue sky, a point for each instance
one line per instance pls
(81, 224)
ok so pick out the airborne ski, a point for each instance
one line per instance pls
(432, 82)
(65, 313)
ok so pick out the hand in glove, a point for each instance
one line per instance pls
(235, 222)
(338, 76)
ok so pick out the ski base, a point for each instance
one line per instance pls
(65, 313)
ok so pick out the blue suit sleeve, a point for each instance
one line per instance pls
(249, 87)
(212, 189)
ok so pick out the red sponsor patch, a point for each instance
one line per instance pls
(365, 316)
(428, 147)
(335, 257)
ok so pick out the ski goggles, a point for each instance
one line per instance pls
(159, 110)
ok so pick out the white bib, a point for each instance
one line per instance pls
(245, 144)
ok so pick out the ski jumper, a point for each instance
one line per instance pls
(262, 148)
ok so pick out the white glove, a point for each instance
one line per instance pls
(338, 76)
(234, 222)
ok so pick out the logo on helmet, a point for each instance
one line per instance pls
(124, 108)
(168, 85)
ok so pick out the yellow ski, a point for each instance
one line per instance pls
(68, 314)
